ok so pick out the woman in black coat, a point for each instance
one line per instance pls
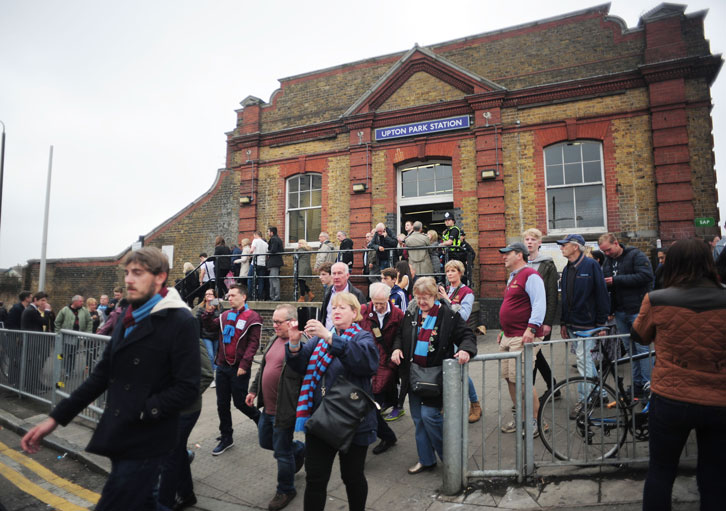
(222, 264)
(426, 337)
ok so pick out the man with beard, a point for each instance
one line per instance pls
(150, 371)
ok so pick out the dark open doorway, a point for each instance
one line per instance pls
(430, 215)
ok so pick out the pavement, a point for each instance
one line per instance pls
(244, 477)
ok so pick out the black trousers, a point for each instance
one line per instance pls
(319, 458)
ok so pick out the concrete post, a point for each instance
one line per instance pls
(453, 427)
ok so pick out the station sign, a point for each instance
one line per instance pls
(423, 128)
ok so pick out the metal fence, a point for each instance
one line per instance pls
(47, 367)
(610, 428)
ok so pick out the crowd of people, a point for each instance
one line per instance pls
(390, 343)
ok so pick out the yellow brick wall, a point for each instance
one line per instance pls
(380, 187)
(337, 209)
(700, 148)
(270, 193)
(301, 149)
(518, 161)
(421, 89)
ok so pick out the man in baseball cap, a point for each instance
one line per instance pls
(518, 247)
(572, 238)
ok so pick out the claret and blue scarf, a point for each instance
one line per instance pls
(317, 365)
(424, 337)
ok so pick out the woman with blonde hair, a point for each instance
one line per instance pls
(244, 260)
(349, 351)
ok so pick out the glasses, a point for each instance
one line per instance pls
(278, 323)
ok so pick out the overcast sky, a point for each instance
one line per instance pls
(136, 96)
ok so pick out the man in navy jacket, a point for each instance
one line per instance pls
(585, 304)
(150, 370)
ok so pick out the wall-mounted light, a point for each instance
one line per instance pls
(245, 199)
(487, 174)
(359, 187)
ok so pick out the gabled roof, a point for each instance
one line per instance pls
(419, 59)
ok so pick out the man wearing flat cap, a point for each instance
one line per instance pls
(585, 305)
(521, 317)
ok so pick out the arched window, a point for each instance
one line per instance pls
(575, 187)
(303, 208)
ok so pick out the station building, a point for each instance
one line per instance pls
(575, 123)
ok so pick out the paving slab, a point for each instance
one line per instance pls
(517, 498)
(564, 493)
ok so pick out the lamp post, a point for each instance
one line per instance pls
(2, 168)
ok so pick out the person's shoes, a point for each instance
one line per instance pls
(577, 410)
(481, 329)
(213, 384)
(280, 500)
(190, 455)
(509, 427)
(385, 410)
(418, 468)
(395, 414)
(224, 444)
(299, 461)
(383, 446)
(474, 412)
(183, 503)
(301, 299)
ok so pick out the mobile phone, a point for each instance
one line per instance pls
(304, 314)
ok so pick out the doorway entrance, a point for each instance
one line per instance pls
(430, 215)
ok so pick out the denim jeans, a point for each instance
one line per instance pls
(670, 422)
(274, 279)
(232, 387)
(473, 398)
(641, 368)
(585, 363)
(176, 474)
(130, 485)
(429, 425)
(211, 345)
(285, 450)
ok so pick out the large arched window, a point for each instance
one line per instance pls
(575, 187)
(303, 208)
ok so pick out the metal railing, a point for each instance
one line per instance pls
(47, 367)
(611, 428)
(291, 259)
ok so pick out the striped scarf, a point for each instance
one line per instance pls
(425, 331)
(317, 365)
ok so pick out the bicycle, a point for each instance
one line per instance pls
(596, 427)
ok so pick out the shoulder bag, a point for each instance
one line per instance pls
(425, 382)
(341, 411)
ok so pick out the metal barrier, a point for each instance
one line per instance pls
(47, 367)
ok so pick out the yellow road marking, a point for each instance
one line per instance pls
(49, 476)
(36, 491)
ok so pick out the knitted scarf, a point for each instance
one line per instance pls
(135, 316)
(317, 365)
(228, 332)
(425, 331)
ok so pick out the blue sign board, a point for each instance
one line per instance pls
(422, 128)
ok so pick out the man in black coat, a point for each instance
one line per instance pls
(34, 318)
(345, 244)
(16, 311)
(274, 262)
(150, 370)
(340, 275)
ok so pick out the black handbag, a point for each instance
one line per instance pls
(341, 411)
(425, 382)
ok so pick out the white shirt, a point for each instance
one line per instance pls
(208, 267)
(259, 246)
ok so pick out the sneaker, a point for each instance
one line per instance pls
(190, 455)
(224, 444)
(183, 503)
(395, 414)
(509, 427)
(213, 384)
(545, 428)
(577, 410)
(280, 500)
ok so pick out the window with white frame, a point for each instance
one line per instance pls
(575, 187)
(426, 180)
(304, 206)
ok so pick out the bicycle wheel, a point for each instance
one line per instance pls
(595, 433)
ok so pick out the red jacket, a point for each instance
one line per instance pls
(245, 341)
(386, 374)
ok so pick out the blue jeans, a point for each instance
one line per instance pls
(473, 398)
(176, 474)
(641, 368)
(429, 425)
(211, 345)
(232, 387)
(585, 363)
(130, 485)
(670, 422)
(284, 448)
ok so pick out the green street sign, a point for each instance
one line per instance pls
(705, 221)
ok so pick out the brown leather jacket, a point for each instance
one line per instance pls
(688, 326)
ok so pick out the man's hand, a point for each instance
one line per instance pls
(528, 336)
(563, 332)
(546, 329)
(462, 356)
(396, 357)
(609, 281)
(31, 441)
(250, 399)
(241, 372)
